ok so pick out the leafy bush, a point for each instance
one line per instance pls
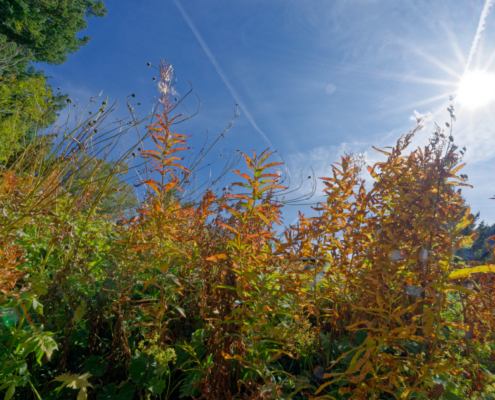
(194, 295)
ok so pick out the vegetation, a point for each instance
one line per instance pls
(39, 31)
(23, 103)
(192, 294)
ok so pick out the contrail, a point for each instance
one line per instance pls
(481, 27)
(221, 73)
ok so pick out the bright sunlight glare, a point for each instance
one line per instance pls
(476, 89)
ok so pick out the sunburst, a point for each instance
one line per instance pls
(476, 89)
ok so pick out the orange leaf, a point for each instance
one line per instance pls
(217, 257)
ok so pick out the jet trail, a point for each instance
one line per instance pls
(219, 69)
(481, 27)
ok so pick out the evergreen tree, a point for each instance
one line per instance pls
(478, 250)
(47, 29)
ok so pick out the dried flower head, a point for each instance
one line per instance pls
(165, 84)
(421, 119)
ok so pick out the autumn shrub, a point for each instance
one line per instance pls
(193, 294)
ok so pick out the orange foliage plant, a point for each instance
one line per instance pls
(388, 253)
(386, 311)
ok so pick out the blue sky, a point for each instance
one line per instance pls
(313, 79)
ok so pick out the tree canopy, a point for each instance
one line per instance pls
(47, 29)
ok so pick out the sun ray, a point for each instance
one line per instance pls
(490, 61)
(420, 103)
(455, 44)
(437, 62)
(431, 81)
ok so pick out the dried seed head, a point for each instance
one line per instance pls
(133, 95)
(68, 101)
(154, 78)
(149, 64)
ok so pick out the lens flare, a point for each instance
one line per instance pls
(476, 89)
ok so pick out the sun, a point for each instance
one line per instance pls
(476, 89)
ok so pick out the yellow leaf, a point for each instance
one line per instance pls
(427, 319)
(358, 378)
(466, 241)
(465, 272)
(79, 314)
(83, 394)
(74, 381)
(451, 288)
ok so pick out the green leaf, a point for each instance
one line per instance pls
(451, 396)
(95, 366)
(361, 337)
(109, 392)
(156, 386)
(37, 306)
(187, 389)
(126, 391)
(139, 365)
(10, 392)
